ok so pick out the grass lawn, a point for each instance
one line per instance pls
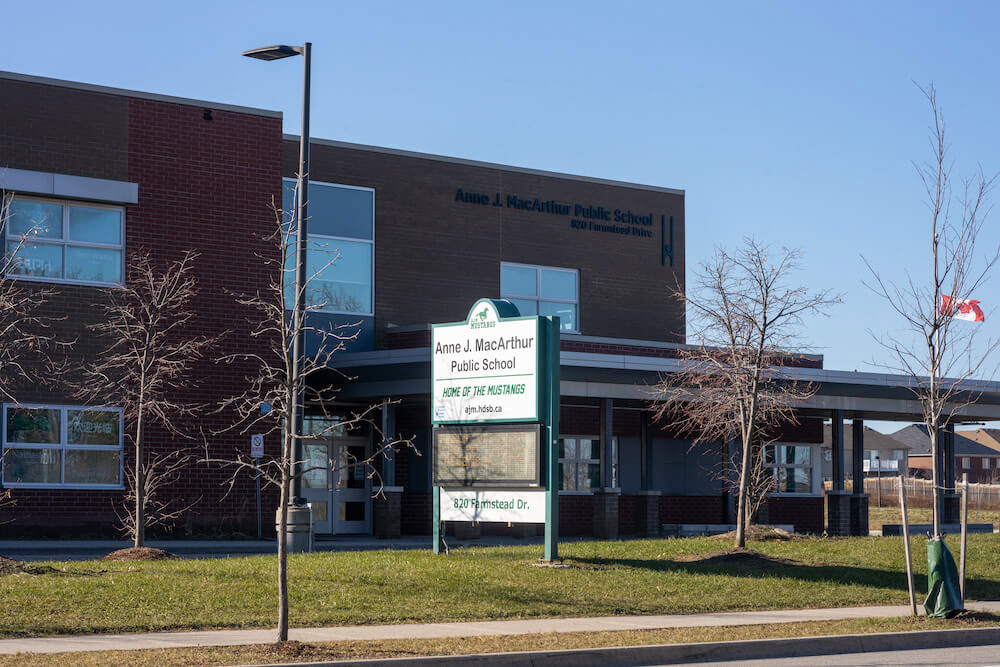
(360, 650)
(631, 577)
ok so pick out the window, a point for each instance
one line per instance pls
(986, 463)
(579, 464)
(74, 447)
(66, 242)
(965, 462)
(340, 249)
(542, 290)
(792, 467)
(898, 454)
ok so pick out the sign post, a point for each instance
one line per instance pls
(256, 452)
(495, 412)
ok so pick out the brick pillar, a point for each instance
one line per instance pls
(951, 507)
(838, 512)
(649, 513)
(606, 513)
(859, 514)
(388, 513)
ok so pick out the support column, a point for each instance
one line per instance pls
(838, 501)
(606, 498)
(950, 500)
(387, 513)
(649, 500)
(859, 499)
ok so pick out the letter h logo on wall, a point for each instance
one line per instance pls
(667, 247)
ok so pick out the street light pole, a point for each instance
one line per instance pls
(299, 346)
(301, 230)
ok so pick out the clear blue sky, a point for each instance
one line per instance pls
(796, 122)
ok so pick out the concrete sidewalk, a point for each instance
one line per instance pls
(431, 630)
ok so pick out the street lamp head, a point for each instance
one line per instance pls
(276, 52)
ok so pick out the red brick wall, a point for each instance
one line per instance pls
(204, 185)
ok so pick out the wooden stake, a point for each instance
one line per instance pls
(906, 544)
(965, 530)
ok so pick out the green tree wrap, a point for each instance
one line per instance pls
(943, 599)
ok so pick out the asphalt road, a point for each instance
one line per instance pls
(966, 655)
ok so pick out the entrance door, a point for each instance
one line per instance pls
(317, 483)
(352, 503)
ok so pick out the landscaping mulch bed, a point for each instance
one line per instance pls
(140, 553)
(761, 534)
(8, 566)
(740, 557)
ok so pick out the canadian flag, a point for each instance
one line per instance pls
(967, 309)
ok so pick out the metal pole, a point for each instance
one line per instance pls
(299, 314)
(550, 327)
(906, 543)
(258, 506)
(965, 526)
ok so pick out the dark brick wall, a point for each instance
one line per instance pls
(202, 184)
(691, 509)
(63, 130)
(806, 514)
(629, 520)
(576, 515)
(425, 239)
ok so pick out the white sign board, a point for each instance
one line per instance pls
(485, 369)
(257, 445)
(512, 506)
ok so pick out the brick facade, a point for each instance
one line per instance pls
(202, 184)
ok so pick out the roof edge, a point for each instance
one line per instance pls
(156, 97)
(486, 165)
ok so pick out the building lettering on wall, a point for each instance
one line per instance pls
(585, 217)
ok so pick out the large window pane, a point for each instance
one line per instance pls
(92, 427)
(591, 476)
(43, 260)
(558, 285)
(518, 280)
(793, 480)
(565, 311)
(32, 466)
(317, 466)
(89, 466)
(93, 264)
(343, 273)
(525, 307)
(95, 225)
(340, 211)
(33, 425)
(35, 218)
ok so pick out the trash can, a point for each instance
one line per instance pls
(943, 597)
(299, 529)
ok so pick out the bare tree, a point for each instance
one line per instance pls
(745, 323)
(144, 369)
(278, 383)
(937, 353)
(25, 335)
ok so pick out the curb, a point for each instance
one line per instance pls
(757, 649)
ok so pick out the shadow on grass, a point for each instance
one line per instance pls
(765, 567)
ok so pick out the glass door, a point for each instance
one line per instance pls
(352, 488)
(317, 483)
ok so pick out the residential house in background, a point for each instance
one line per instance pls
(972, 457)
(881, 453)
